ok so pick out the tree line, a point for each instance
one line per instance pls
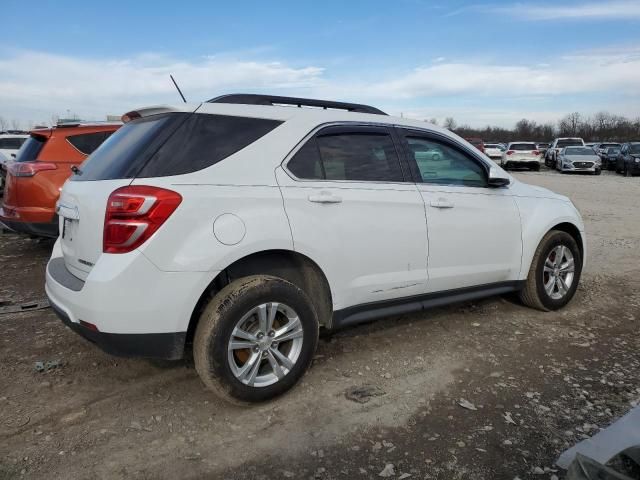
(601, 127)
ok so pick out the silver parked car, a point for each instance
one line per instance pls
(579, 159)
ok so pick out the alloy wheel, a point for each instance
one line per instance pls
(265, 344)
(559, 272)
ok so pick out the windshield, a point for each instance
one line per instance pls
(579, 151)
(30, 149)
(613, 150)
(523, 146)
(570, 142)
(634, 148)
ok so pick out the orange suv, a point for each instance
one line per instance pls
(43, 164)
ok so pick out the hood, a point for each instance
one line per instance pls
(521, 189)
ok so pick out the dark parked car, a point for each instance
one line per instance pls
(543, 147)
(628, 161)
(609, 156)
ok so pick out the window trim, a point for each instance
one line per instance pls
(345, 127)
(404, 132)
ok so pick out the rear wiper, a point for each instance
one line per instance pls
(76, 170)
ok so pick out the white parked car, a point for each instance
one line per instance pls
(494, 150)
(579, 159)
(238, 228)
(10, 144)
(551, 155)
(521, 155)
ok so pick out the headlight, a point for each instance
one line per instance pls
(637, 160)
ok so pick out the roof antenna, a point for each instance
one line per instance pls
(179, 91)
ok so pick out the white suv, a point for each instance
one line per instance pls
(242, 225)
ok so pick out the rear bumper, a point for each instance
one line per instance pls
(137, 309)
(49, 230)
(522, 163)
(168, 346)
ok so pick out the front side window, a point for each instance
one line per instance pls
(352, 156)
(440, 164)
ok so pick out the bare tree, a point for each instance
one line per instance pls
(570, 124)
(449, 123)
(3, 124)
(433, 121)
(15, 124)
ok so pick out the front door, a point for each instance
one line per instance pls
(474, 231)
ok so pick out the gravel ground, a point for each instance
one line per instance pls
(482, 390)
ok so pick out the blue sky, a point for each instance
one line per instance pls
(478, 62)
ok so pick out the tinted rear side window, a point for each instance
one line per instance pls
(356, 156)
(306, 162)
(87, 143)
(204, 140)
(31, 148)
(360, 157)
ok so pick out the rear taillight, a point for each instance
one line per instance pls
(134, 213)
(536, 152)
(29, 169)
(510, 152)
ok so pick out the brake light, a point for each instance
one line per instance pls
(29, 169)
(134, 213)
(510, 152)
(536, 152)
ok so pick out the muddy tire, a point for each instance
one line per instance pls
(255, 339)
(554, 273)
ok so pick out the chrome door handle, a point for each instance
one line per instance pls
(325, 197)
(441, 203)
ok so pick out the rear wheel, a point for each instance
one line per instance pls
(554, 273)
(255, 339)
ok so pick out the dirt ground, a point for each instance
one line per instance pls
(539, 382)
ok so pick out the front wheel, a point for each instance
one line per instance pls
(554, 273)
(255, 339)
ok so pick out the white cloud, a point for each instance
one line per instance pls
(592, 10)
(36, 85)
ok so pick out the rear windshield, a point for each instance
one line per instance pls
(31, 148)
(609, 145)
(11, 143)
(171, 144)
(543, 145)
(579, 151)
(570, 142)
(523, 146)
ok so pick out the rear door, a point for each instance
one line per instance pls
(474, 231)
(355, 212)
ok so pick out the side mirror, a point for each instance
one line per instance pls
(497, 178)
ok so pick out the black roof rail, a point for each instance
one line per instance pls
(255, 99)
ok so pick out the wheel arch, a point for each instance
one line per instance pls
(289, 265)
